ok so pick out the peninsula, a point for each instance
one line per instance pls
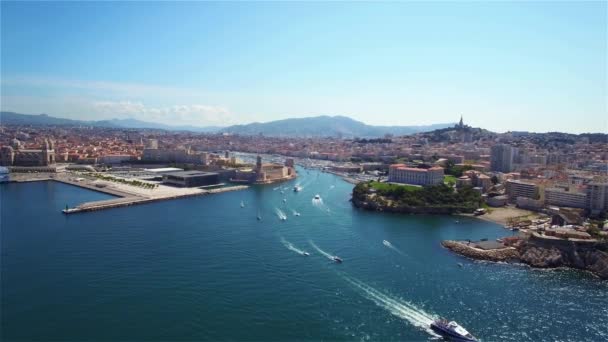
(410, 199)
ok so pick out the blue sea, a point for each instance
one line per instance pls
(203, 268)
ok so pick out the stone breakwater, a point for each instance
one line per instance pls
(541, 253)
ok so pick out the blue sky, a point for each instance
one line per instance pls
(504, 66)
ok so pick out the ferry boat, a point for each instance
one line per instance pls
(452, 331)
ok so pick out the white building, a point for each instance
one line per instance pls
(562, 198)
(516, 188)
(400, 173)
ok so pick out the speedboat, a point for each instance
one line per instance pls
(242, 204)
(297, 188)
(452, 331)
(305, 253)
(317, 197)
(337, 259)
(284, 200)
(296, 214)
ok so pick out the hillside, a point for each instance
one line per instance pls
(325, 126)
(11, 118)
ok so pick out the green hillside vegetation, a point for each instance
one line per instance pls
(465, 199)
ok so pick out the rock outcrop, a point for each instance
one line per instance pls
(504, 254)
(536, 252)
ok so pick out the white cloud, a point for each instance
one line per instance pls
(129, 90)
(194, 114)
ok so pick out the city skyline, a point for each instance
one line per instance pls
(504, 66)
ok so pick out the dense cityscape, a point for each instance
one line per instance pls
(303, 171)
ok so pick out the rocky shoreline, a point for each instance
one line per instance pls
(540, 253)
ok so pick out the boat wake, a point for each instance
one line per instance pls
(402, 309)
(324, 253)
(318, 203)
(280, 214)
(390, 245)
(291, 247)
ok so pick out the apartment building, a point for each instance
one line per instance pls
(516, 188)
(563, 198)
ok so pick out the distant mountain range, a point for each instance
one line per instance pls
(324, 126)
(320, 126)
(11, 118)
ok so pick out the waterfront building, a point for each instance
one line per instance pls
(501, 158)
(563, 198)
(264, 173)
(15, 155)
(400, 173)
(191, 178)
(497, 201)
(516, 188)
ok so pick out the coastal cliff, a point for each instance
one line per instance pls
(541, 253)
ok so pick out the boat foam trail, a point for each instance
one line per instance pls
(324, 253)
(280, 214)
(290, 246)
(395, 306)
(390, 245)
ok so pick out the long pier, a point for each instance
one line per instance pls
(135, 200)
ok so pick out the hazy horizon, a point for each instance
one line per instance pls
(535, 67)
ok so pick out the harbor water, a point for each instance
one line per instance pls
(205, 268)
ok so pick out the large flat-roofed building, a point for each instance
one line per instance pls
(191, 179)
(400, 173)
(517, 189)
(562, 198)
(178, 155)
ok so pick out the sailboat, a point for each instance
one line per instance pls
(242, 204)
(259, 216)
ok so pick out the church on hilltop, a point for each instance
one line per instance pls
(463, 133)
